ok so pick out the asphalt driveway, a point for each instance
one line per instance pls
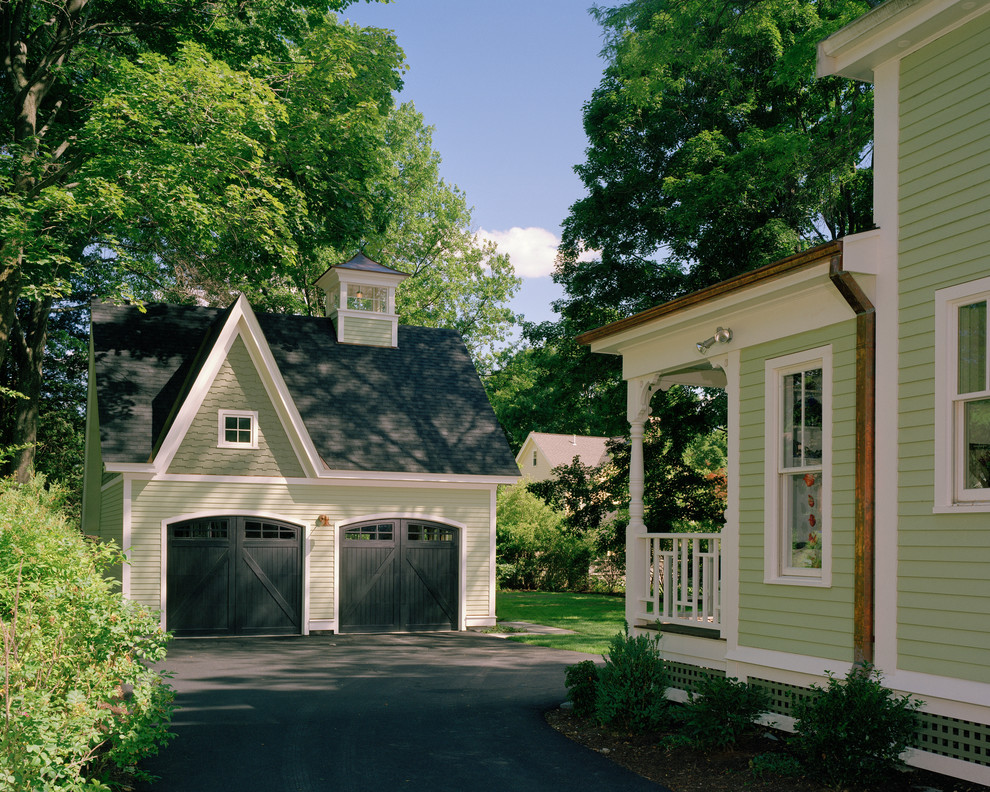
(442, 711)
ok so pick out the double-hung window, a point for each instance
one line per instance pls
(962, 397)
(797, 499)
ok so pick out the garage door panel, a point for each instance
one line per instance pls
(430, 588)
(199, 587)
(369, 577)
(234, 575)
(267, 594)
(412, 588)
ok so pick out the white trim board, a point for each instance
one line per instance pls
(412, 480)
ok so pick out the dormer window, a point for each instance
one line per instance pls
(238, 429)
(363, 297)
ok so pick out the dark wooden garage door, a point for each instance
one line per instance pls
(398, 575)
(234, 576)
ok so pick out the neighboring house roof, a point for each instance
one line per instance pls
(560, 449)
(419, 408)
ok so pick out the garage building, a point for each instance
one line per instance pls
(275, 474)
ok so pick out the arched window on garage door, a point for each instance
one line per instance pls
(234, 575)
(399, 575)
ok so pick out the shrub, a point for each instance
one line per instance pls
(767, 765)
(582, 687)
(721, 710)
(79, 700)
(853, 732)
(632, 685)
(533, 549)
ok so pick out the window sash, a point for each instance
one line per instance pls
(797, 534)
(237, 429)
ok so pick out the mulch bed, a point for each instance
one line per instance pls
(687, 769)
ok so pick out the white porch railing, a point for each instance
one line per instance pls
(682, 578)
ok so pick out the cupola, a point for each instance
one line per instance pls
(361, 301)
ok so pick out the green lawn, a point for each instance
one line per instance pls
(595, 618)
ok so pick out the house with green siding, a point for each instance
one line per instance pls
(271, 474)
(858, 386)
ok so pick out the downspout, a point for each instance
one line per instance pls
(865, 507)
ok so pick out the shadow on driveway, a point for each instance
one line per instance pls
(440, 711)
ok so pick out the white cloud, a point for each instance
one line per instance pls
(532, 251)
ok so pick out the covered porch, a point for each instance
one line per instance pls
(688, 584)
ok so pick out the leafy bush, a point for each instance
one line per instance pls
(79, 699)
(721, 710)
(854, 731)
(767, 765)
(533, 549)
(582, 687)
(632, 685)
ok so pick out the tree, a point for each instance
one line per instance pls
(146, 129)
(713, 149)
(189, 152)
(457, 280)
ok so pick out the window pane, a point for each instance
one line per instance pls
(367, 298)
(977, 449)
(792, 420)
(812, 429)
(803, 515)
(802, 424)
(972, 351)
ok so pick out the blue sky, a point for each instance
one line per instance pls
(503, 83)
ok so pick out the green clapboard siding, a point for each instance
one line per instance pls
(365, 330)
(812, 621)
(944, 239)
(237, 386)
(155, 501)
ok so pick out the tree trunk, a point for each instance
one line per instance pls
(10, 290)
(30, 334)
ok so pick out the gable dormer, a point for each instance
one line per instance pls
(361, 301)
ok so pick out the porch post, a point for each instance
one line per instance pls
(639, 393)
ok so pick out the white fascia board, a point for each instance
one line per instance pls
(697, 318)
(337, 275)
(130, 467)
(891, 30)
(353, 479)
(345, 476)
(241, 322)
(794, 304)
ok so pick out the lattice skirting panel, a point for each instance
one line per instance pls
(937, 734)
(954, 738)
(683, 676)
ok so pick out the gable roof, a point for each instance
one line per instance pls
(560, 449)
(419, 408)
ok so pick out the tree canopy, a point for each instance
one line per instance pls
(188, 151)
(713, 149)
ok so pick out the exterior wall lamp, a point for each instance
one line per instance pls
(722, 336)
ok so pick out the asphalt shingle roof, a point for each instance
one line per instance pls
(419, 408)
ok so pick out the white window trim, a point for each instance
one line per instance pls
(775, 370)
(222, 442)
(949, 495)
